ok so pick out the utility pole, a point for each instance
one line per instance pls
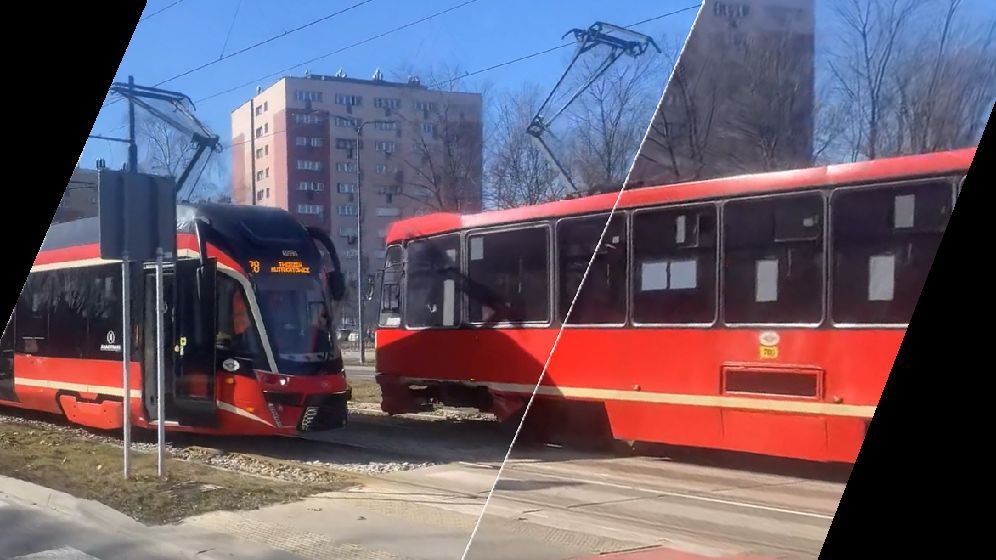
(252, 146)
(359, 245)
(358, 128)
(132, 142)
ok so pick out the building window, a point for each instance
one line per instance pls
(266, 128)
(386, 147)
(259, 195)
(884, 241)
(393, 189)
(387, 103)
(381, 169)
(302, 95)
(259, 110)
(674, 265)
(306, 118)
(773, 259)
(345, 167)
(348, 100)
(259, 153)
(259, 175)
(345, 144)
(267, 172)
(309, 165)
(346, 210)
(603, 297)
(266, 150)
(266, 105)
(317, 142)
(428, 128)
(259, 132)
(311, 186)
(301, 141)
(388, 212)
(346, 231)
(425, 106)
(385, 125)
(311, 209)
(346, 188)
(344, 122)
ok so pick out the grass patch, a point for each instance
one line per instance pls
(92, 470)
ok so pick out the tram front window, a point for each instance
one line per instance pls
(297, 322)
(236, 332)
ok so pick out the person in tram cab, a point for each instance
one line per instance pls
(239, 325)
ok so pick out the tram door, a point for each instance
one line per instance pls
(189, 336)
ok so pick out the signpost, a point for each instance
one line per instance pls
(137, 214)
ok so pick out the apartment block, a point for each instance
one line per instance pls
(325, 147)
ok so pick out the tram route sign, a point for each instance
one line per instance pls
(137, 215)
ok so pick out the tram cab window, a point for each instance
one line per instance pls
(773, 259)
(603, 297)
(884, 241)
(674, 273)
(390, 287)
(509, 276)
(432, 285)
(236, 330)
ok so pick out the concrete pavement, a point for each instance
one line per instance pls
(38, 523)
(552, 503)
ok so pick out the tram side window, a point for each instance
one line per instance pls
(603, 298)
(104, 334)
(432, 291)
(773, 259)
(390, 288)
(509, 276)
(674, 253)
(72, 313)
(236, 329)
(33, 316)
(884, 241)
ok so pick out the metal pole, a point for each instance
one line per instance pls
(160, 367)
(126, 360)
(132, 144)
(252, 146)
(359, 246)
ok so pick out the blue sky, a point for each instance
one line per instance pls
(475, 36)
(478, 35)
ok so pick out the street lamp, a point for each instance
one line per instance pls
(358, 126)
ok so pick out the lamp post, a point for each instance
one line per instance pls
(358, 126)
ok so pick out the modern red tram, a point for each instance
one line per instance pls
(759, 313)
(248, 329)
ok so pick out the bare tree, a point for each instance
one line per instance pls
(912, 77)
(518, 172)
(678, 145)
(610, 119)
(771, 114)
(442, 167)
(945, 106)
(870, 39)
(167, 151)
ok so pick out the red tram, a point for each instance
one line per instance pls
(758, 313)
(248, 323)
